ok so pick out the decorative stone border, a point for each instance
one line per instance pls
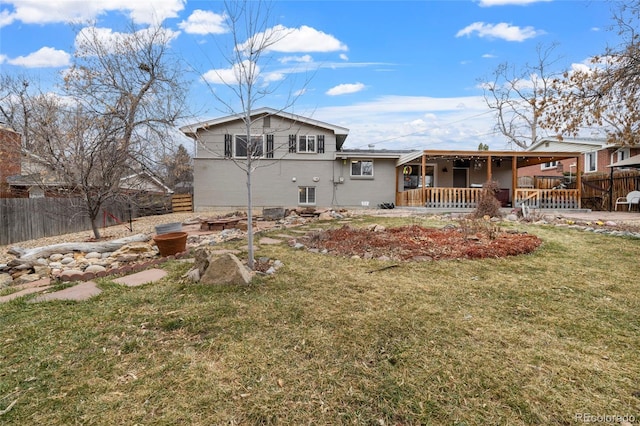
(122, 270)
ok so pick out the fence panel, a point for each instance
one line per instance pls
(24, 219)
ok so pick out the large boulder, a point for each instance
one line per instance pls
(225, 270)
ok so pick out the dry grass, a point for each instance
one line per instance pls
(532, 339)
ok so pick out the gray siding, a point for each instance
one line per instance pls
(220, 183)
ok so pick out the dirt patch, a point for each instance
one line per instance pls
(419, 243)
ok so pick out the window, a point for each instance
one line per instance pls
(362, 168)
(306, 195)
(549, 165)
(307, 144)
(255, 148)
(590, 162)
(620, 154)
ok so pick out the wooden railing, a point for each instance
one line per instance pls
(464, 198)
(441, 198)
(547, 198)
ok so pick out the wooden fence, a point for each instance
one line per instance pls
(182, 203)
(24, 219)
(598, 190)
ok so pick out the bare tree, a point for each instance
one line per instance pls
(119, 102)
(605, 93)
(252, 36)
(178, 168)
(519, 96)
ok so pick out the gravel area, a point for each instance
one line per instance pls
(143, 225)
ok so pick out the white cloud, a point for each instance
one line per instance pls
(6, 18)
(502, 31)
(489, 56)
(204, 22)
(47, 11)
(3, 58)
(343, 89)
(344, 57)
(416, 122)
(45, 57)
(230, 76)
(303, 39)
(300, 59)
(489, 3)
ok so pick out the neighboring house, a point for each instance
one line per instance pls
(302, 163)
(10, 142)
(597, 155)
(39, 180)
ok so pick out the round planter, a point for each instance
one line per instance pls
(168, 228)
(171, 243)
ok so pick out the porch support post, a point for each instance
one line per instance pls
(423, 193)
(489, 168)
(514, 179)
(579, 166)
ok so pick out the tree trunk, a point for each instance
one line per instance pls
(32, 255)
(250, 261)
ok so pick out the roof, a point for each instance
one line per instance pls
(523, 158)
(340, 132)
(628, 162)
(570, 144)
(372, 153)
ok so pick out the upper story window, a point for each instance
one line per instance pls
(307, 143)
(255, 147)
(620, 154)
(549, 165)
(590, 162)
(362, 168)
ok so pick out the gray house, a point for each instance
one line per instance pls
(299, 162)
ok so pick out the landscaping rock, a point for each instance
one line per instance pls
(226, 270)
(274, 213)
(95, 268)
(5, 280)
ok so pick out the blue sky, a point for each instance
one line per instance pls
(398, 74)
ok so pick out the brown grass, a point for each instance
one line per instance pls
(531, 339)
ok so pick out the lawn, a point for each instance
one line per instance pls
(546, 338)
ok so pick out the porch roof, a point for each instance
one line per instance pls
(522, 158)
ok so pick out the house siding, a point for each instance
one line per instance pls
(210, 143)
(222, 184)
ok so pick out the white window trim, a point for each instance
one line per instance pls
(554, 165)
(235, 136)
(315, 144)
(307, 203)
(586, 162)
(615, 155)
(362, 176)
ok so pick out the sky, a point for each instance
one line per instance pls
(397, 74)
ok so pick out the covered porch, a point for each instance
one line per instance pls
(454, 179)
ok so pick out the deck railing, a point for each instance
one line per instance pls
(441, 198)
(449, 198)
(547, 198)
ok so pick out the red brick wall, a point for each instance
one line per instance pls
(603, 159)
(9, 156)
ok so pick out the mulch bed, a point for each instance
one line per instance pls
(419, 243)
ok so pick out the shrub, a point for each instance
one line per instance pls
(488, 203)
